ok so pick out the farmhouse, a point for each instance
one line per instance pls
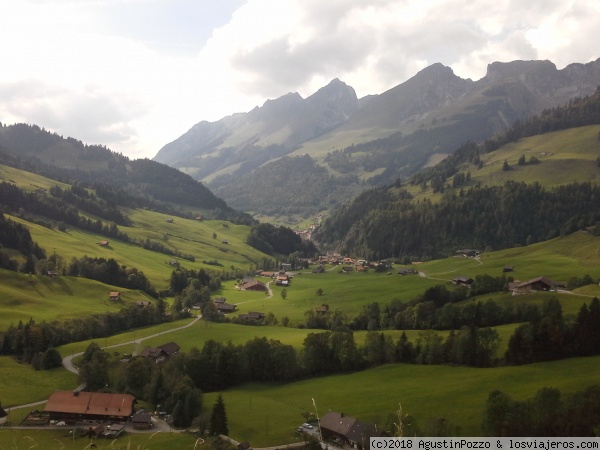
(322, 309)
(252, 316)
(114, 296)
(253, 285)
(347, 430)
(103, 243)
(225, 308)
(536, 284)
(468, 252)
(75, 406)
(143, 303)
(161, 352)
(464, 281)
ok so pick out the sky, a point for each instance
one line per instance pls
(135, 75)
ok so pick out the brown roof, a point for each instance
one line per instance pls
(169, 348)
(114, 294)
(94, 403)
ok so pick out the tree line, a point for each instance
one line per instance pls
(30, 340)
(379, 224)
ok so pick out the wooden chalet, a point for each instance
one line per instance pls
(322, 309)
(114, 296)
(143, 303)
(76, 406)
(103, 243)
(253, 285)
(347, 430)
(161, 352)
(464, 281)
(225, 308)
(534, 285)
(468, 252)
(252, 315)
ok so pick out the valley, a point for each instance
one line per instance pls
(478, 274)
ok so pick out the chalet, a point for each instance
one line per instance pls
(76, 406)
(157, 354)
(218, 300)
(463, 281)
(468, 252)
(348, 261)
(103, 243)
(114, 296)
(161, 352)
(51, 273)
(253, 285)
(506, 269)
(174, 263)
(318, 269)
(404, 271)
(347, 269)
(322, 309)
(534, 285)
(143, 303)
(169, 220)
(265, 273)
(225, 308)
(361, 268)
(252, 316)
(346, 430)
(141, 421)
(170, 348)
(286, 266)
(225, 242)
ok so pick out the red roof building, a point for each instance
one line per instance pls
(74, 406)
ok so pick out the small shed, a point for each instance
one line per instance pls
(141, 421)
(114, 296)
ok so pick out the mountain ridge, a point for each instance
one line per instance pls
(397, 131)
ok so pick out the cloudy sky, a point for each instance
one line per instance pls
(136, 74)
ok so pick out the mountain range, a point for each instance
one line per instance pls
(359, 143)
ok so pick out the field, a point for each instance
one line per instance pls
(61, 440)
(55, 298)
(267, 414)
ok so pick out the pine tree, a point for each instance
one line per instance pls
(218, 418)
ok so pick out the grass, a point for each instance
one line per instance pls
(267, 414)
(187, 236)
(47, 299)
(61, 440)
(20, 384)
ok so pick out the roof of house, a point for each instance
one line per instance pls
(337, 422)
(93, 403)
(151, 352)
(219, 300)
(141, 418)
(253, 284)
(114, 294)
(545, 280)
(347, 426)
(169, 348)
(227, 307)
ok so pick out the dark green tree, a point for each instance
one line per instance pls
(218, 418)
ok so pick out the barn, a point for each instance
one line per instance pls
(76, 406)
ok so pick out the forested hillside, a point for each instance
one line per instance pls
(389, 222)
(125, 182)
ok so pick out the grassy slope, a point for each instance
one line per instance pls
(46, 299)
(425, 392)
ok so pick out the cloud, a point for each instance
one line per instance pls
(136, 74)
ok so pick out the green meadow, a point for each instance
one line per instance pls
(62, 440)
(20, 384)
(268, 414)
(42, 298)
